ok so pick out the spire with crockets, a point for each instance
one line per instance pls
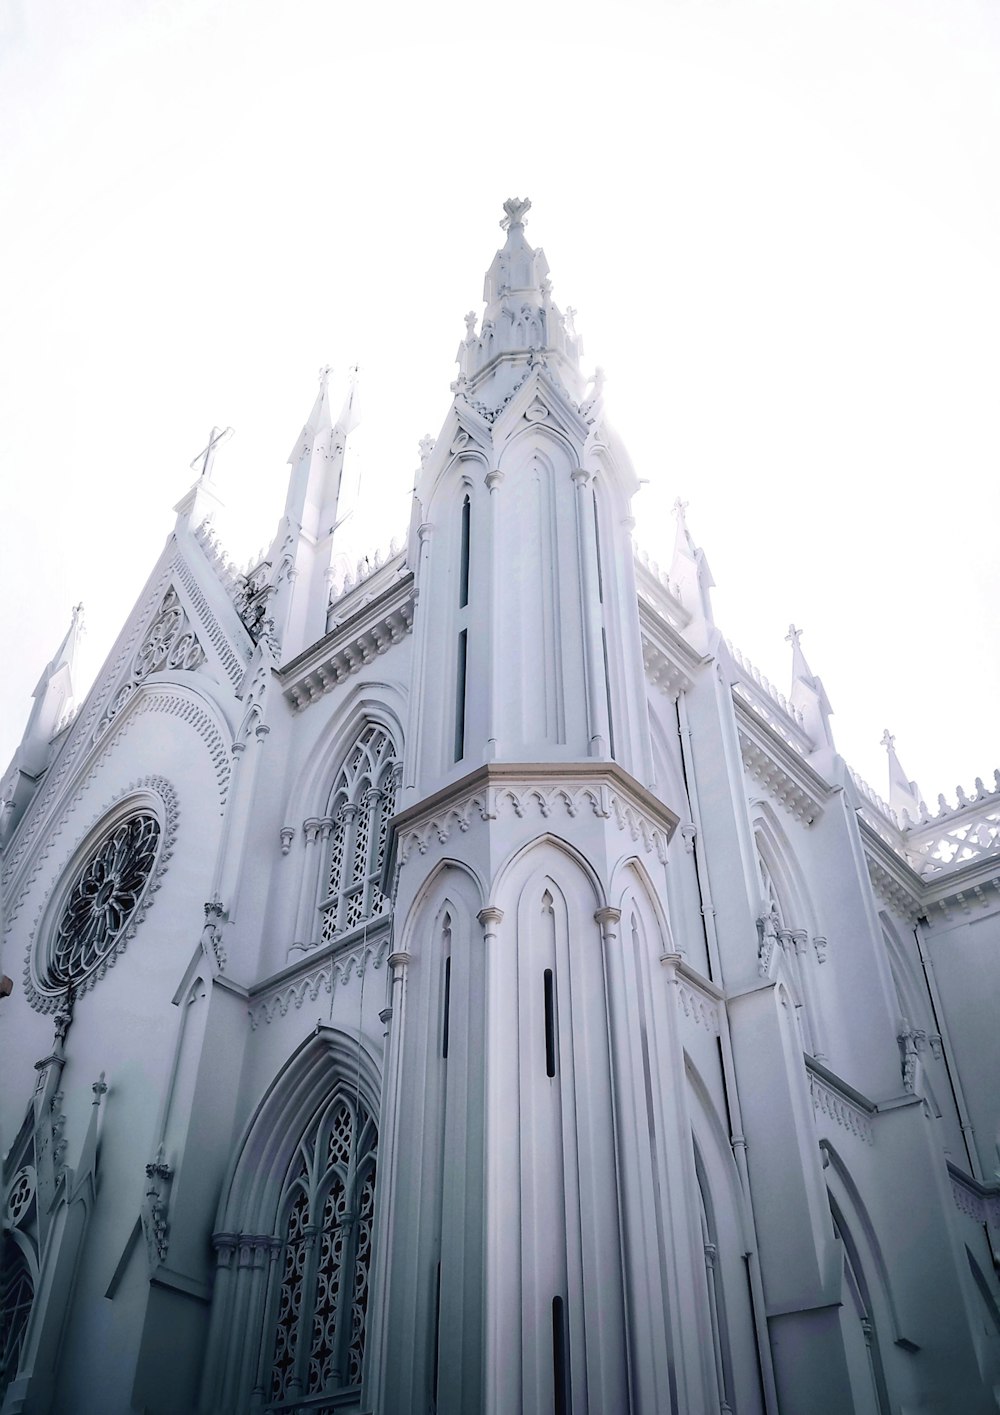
(521, 324)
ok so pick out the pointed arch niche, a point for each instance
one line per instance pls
(435, 1230)
(726, 1282)
(551, 1163)
(294, 1241)
(786, 919)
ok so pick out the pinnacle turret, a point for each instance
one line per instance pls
(690, 572)
(904, 795)
(521, 324)
(808, 695)
(315, 507)
(53, 702)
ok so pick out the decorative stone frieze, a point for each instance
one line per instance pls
(836, 1105)
(314, 975)
(520, 790)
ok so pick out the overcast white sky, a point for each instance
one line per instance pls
(779, 223)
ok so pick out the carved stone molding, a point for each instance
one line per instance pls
(231, 662)
(836, 1105)
(314, 976)
(980, 1202)
(785, 776)
(492, 792)
(358, 641)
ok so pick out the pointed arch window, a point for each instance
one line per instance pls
(16, 1295)
(319, 1303)
(364, 798)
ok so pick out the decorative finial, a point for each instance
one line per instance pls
(470, 325)
(99, 1087)
(678, 508)
(426, 445)
(516, 210)
(793, 636)
(887, 740)
(324, 375)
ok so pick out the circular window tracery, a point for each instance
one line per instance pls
(103, 899)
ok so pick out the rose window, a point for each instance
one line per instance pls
(103, 899)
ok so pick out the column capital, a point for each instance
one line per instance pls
(581, 477)
(312, 828)
(490, 917)
(399, 960)
(607, 917)
(493, 479)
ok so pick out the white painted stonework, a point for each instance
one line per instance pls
(470, 987)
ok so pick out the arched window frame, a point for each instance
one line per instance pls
(317, 1305)
(17, 1293)
(362, 804)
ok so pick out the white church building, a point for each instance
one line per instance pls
(471, 987)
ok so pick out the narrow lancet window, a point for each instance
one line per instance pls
(447, 1008)
(550, 1022)
(560, 1366)
(463, 577)
(460, 674)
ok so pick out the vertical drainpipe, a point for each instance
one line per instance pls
(737, 1138)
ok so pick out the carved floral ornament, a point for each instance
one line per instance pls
(104, 894)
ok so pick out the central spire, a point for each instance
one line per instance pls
(521, 324)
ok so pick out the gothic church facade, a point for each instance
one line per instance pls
(471, 987)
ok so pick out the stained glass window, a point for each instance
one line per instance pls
(364, 798)
(319, 1305)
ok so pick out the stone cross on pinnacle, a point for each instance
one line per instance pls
(887, 740)
(793, 636)
(207, 455)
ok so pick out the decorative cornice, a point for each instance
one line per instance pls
(781, 771)
(980, 1202)
(315, 972)
(670, 662)
(698, 999)
(358, 640)
(839, 1102)
(516, 788)
(234, 665)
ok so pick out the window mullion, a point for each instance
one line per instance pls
(351, 810)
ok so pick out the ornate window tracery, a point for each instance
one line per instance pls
(320, 1302)
(16, 1295)
(102, 900)
(364, 798)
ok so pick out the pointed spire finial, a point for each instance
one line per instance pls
(515, 211)
(678, 508)
(793, 636)
(470, 325)
(324, 375)
(349, 414)
(904, 794)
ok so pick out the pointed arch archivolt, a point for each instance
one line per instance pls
(514, 867)
(775, 853)
(380, 703)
